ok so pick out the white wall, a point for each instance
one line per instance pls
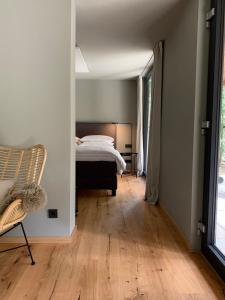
(106, 101)
(37, 97)
(184, 100)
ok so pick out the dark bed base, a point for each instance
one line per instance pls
(96, 175)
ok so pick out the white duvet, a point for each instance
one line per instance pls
(97, 151)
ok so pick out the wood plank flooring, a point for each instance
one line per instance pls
(125, 249)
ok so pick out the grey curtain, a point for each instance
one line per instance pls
(153, 163)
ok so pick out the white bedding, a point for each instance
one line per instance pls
(100, 152)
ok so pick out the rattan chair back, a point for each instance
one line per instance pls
(24, 165)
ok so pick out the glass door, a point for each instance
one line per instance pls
(220, 199)
(213, 242)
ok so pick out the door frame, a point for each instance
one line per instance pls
(215, 76)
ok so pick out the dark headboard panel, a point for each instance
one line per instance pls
(86, 128)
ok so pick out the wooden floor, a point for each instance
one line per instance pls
(124, 249)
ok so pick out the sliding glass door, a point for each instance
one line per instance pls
(213, 243)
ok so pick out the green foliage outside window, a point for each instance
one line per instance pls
(222, 128)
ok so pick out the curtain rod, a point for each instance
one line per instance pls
(147, 65)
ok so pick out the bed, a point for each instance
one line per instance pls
(97, 166)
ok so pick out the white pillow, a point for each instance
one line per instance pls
(98, 141)
(97, 138)
(5, 186)
(97, 144)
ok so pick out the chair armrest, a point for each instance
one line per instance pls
(13, 214)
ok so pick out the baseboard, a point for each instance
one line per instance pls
(177, 229)
(40, 239)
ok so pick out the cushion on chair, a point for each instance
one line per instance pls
(5, 187)
(33, 197)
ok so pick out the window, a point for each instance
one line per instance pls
(146, 116)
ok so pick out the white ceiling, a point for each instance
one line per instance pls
(116, 37)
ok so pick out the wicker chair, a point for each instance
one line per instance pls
(24, 166)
